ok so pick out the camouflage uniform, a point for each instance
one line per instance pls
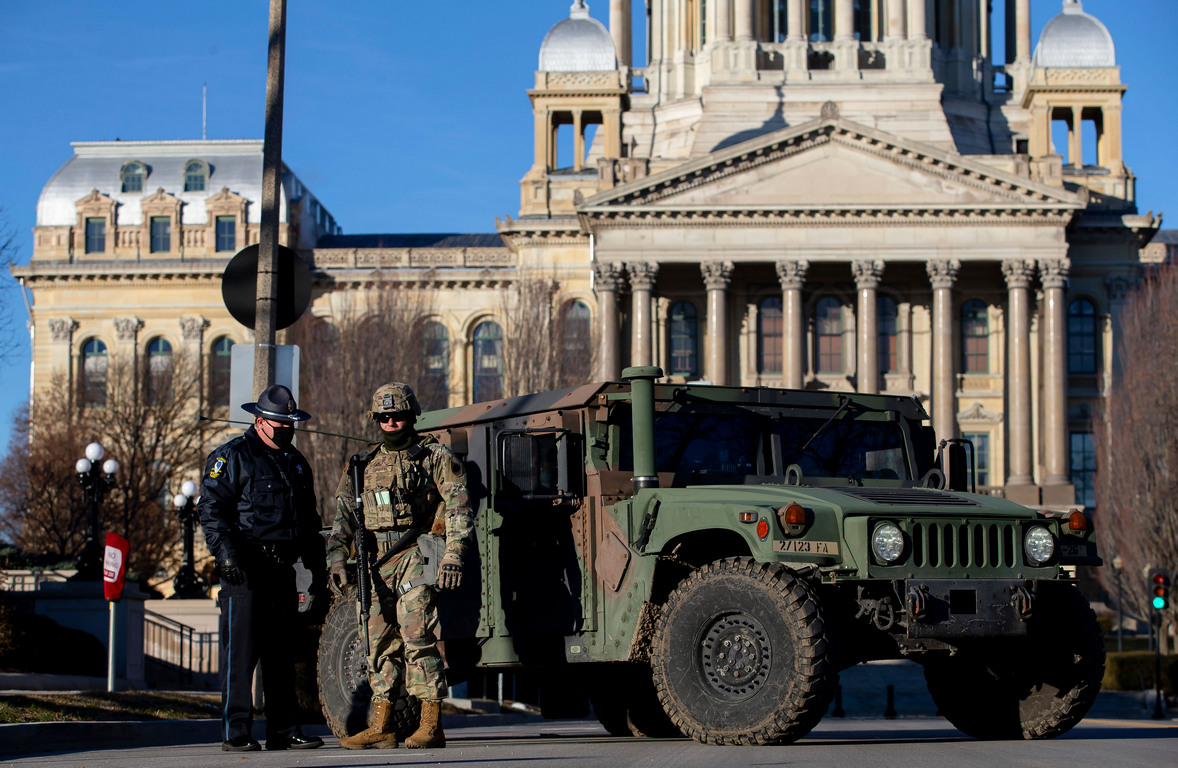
(421, 485)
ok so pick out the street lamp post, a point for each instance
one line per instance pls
(95, 480)
(1118, 564)
(188, 584)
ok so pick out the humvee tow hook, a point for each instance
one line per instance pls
(1022, 601)
(918, 601)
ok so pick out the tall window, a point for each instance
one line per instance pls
(769, 336)
(95, 235)
(161, 234)
(488, 362)
(684, 340)
(94, 364)
(195, 176)
(1082, 337)
(981, 445)
(435, 383)
(828, 330)
(1083, 467)
(220, 359)
(975, 337)
(889, 334)
(576, 343)
(226, 233)
(158, 380)
(821, 20)
(133, 175)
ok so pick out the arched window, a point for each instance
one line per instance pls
(684, 340)
(488, 362)
(1082, 337)
(220, 357)
(828, 332)
(769, 336)
(576, 344)
(94, 365)
(158, 381)
(888, 334)
(133, 175)
(975, 337)
(435, 382)
(196, 175)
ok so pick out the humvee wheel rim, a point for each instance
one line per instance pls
(735, 656)
(355, 666)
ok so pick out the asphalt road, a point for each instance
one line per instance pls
(852, 742)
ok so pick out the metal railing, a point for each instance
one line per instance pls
(30, 581)
(179, 646)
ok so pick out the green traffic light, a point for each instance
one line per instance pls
(1159, 603)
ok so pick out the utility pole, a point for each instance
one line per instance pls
(264, 320)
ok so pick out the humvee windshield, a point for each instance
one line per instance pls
(701, 443)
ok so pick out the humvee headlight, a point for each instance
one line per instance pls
(887, 543)
(1039, 545)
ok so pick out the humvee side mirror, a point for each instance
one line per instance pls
(540, 465)
(956, 474)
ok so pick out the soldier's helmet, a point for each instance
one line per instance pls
(394, 397)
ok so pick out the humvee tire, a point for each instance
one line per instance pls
(1035, 688)
(740, 655)
(344, 693)
(626, 703)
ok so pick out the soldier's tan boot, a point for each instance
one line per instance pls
(429, 733)
(380, 735)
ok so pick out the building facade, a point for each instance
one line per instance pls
(837, 194)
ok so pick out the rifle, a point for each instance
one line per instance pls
(363, 558)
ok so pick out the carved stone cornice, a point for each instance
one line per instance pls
(874, 216)
(942, 273)
(1018, 273)
(867, 272)
(61, 329)
(127, 328)
(191, 328)
(1053, 273)
(716, 274)
(792, 274)
(642, 275)
(608, 275)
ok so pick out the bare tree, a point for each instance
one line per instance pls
(1137, 454)
(13, 337)
(546, 345)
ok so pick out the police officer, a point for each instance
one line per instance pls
(413, 485)
(257, 509)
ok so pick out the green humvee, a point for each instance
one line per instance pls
(705, 559)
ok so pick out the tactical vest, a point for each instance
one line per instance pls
(398, 489)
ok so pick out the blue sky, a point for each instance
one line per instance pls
(400, 116)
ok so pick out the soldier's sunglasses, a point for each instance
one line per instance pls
(385, 418)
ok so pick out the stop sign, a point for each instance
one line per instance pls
(239, 287)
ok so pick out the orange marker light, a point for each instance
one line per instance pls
(795, 515)
(748, 517)
(1077, 521)
(763, 528)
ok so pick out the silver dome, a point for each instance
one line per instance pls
(577, 44)
(1075, 40)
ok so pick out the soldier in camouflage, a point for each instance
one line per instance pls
(413, 486)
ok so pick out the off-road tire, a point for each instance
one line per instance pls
(626, 703)
(1033, 688)
(344, 693)
(783, 679)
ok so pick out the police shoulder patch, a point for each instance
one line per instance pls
(218, 468)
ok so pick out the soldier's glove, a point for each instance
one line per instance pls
(450, 571)
(230, 571)
(338, 579)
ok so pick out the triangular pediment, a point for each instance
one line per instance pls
(831, 164)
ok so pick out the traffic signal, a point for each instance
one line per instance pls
(1159, 589)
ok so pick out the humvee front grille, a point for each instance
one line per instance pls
(915, 497)
(963, 545)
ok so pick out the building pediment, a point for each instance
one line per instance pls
(832, 166)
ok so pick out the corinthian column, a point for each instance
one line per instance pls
(607, 277)
(717, 275)
(942, 275)
(1056, 484)
(867, 273)
(744, 20)
(792, 275)
(642, 277)
(1018, 273)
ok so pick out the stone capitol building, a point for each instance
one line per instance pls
(822, 194)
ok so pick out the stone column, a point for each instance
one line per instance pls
(723, 21)
(792, 275)
(844, 19)
(1019, 480)
(1118, 287)
(904, 343)
(943, 274)
(917, 26)
(795, 21)
(619, 30)
(61, 350)
(744, 20)
(1022, 30)
(897, 20)
(1057, 487)
(607, 277)
(717, 275)
(867, 274)
(642, 277)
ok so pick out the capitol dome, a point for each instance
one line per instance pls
(1075, 40)
(577, 44)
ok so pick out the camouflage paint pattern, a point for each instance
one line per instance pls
(402, 630)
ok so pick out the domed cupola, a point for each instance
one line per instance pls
(1075, 40)
(578, 44)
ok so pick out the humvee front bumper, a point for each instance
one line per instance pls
(949, 608)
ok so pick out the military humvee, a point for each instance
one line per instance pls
(705, 559)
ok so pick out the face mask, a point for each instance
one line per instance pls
(282, 436)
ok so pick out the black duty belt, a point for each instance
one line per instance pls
(276, 552)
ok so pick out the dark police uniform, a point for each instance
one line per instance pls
(257, 509)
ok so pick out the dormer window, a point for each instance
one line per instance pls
(133, 175)
(196, 175)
